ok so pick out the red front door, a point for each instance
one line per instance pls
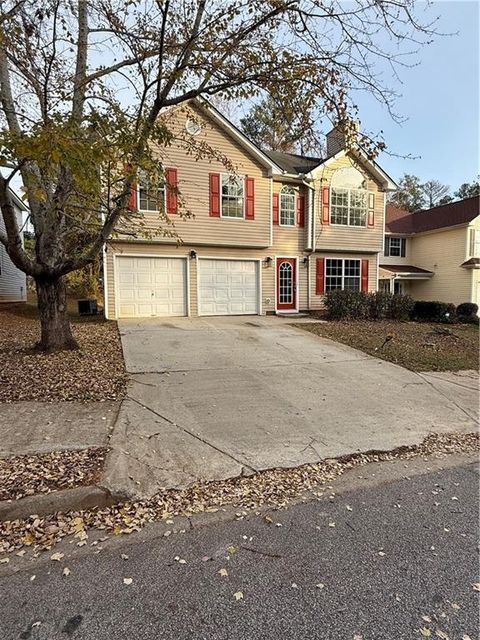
(286, 284)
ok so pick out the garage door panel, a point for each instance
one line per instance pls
(228, 287)
(151, 287)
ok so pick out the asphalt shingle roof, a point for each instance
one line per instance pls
(293, 163)
(447, 215)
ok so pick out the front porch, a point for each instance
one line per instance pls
(400, 278)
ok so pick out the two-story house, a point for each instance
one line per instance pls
(433, 254)
(13, 282)
(270, 235)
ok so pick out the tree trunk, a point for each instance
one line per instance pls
(56, 333)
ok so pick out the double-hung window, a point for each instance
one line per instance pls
(232, 196)
(348, 207)
(342, 274)
(395, 247)
(287, 207)
(151, 193)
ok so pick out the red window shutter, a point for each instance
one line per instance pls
(365, 275)
(301, 211)
(171, 178)
(132, 203)
(326, 205)
(249, 198)
(275, 208)
(215, 195)
(320, 277)
(371, 209)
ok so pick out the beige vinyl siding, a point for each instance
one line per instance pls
(13, 282)
(194, 186)
(291, 240)
(317, 301)
(348, 238)
(158, 249)
(442, 252)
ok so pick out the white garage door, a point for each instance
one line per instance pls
(148, 287)
(227, 287)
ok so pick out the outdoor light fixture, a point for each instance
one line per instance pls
(305, 260)
(193, 254)
(268, 261)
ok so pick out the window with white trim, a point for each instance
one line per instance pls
(348, 207)
(232, 196)
(342, 274)
(474, 243)
(395, 247)
(151, 193)
(287, 207)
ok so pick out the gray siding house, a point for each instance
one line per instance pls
(13, 282)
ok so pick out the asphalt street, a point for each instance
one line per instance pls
(386, 556)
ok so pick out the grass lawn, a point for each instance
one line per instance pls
(95, 372)
(415, 345)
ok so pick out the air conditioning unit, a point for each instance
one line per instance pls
(87, 307)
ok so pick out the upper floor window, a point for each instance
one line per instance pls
(395, 247)
(342, 274)
(287, 206)
(349, 207)
(232, 192)
(349, 198)
(151, 194)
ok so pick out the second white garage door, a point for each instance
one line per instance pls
(227, 287)
(147, 287)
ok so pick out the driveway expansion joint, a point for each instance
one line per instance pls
(193, 435)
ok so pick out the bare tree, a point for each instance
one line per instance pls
(83, 82)
(436, 193)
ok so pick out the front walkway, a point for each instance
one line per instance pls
(212, 398)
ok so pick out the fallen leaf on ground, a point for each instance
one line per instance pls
(57, 556)
(476, 586)
(320, 585)
(127, 580)
(32, 578)
(426, 633)
(238, 595)
(223, 573)
(66, 571)
(124, 556)
(426, 618)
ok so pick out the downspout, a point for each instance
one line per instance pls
(310, 223)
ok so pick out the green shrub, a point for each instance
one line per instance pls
(356, 305)
(433, 311)
(379, 305)
(467, 309)
(346, 305)
(471, 319)
(401, 306)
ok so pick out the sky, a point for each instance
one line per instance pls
(440, 101)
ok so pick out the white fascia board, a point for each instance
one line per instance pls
(223, 122)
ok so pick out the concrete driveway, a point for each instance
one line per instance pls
(217, 397)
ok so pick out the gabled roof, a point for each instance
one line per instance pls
(238, 135)
(291, 163)
(441, 217)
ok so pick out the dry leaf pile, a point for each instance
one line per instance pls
(275, 487)
(95, 372)
(26, 475)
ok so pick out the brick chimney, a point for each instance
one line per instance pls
(337, 137)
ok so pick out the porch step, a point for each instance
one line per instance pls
(292, 315)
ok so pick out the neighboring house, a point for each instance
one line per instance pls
(433, 254)
(272, 238)
(13, 282)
